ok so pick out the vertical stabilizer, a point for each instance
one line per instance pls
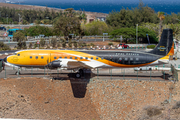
(166, 44)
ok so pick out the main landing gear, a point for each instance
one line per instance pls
(80, 73)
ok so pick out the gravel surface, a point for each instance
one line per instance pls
(37, 98)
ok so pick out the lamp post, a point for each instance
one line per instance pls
(136, 36)
(19, 18)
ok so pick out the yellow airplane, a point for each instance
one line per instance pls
(89, 59)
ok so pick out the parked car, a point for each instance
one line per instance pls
(3, 28)
(123, 45)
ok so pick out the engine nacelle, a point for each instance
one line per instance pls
(54, 64)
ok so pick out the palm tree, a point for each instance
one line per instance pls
(176, 30)
(161, 16)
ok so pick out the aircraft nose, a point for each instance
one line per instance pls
(5, 59)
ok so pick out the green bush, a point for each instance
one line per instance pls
(110, 43)
(151, 46)
(4, 46)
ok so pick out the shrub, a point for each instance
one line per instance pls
(151, 46)
(53, 42)
(42, 42)
(177, 105)
(4, 46)
(110, 43)
(152, 111)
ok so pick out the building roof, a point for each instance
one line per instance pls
(12, 30)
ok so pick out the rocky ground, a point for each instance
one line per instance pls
(38, 98)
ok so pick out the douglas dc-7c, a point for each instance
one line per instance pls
(80, 60)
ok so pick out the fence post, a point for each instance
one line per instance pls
(18, 73)
(31, 71)
(123, 74)
(58, 72)
(97, 73)
(111, 74)
(137, 74)
(44, 70)
(150, 74)
(5, 72)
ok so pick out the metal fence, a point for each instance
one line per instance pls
(175, 72)
(97, 74)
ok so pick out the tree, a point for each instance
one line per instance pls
(30, 45)
(20, 38)
(96, 28)
(130, 34)
(42, 42)
(161, 17)
(176, 30)
(69, 24)
(4, 46)
(53, 42)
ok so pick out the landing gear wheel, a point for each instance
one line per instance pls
(17, 73)
(78, 75)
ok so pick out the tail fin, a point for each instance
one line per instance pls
(166, 44)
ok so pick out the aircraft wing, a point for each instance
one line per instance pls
(77, 64)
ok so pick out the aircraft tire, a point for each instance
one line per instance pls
(78, 75)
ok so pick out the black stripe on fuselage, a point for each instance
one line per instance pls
(125, 57)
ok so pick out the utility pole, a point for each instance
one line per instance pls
(7, 19)
(19, 18)
(136, 36)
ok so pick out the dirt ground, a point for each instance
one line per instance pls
(38, 98)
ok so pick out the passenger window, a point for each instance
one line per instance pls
(81, 57)
(30, 57)
(36, 57)
(65, 57)
(126, 59)
(137, 58)
(54, 57)
(131, 58)
(96, 58)
(60, 57)
(86, 58)
(18, 54)
(70, 57)
(91, 58)
(75, 57)
(102, 58)
(42, 57)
